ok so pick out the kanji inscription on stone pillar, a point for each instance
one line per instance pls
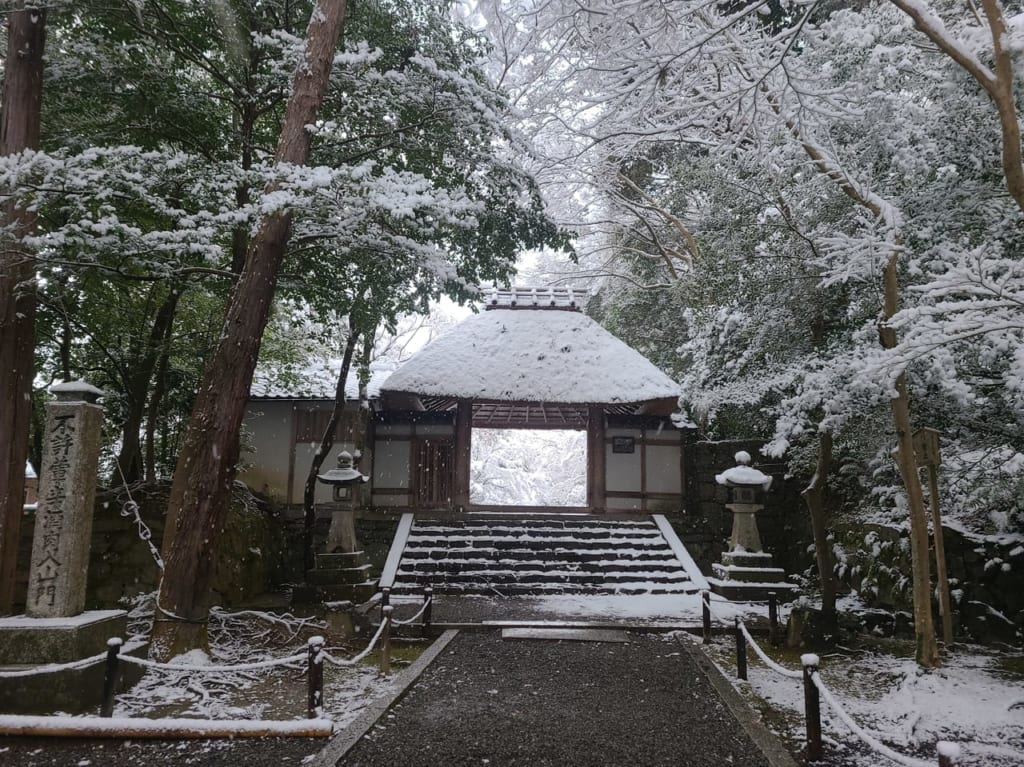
(67, 493)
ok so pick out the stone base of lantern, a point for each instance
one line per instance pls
(749, 576)
(29, 642)
(337, 577)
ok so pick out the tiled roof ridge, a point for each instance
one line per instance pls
(523, 297)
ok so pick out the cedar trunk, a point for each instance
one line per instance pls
(201, 489)
(19, 130)
(326, 443)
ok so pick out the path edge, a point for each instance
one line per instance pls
(342, 743)
(767, 742)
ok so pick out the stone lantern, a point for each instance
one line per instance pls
(344, 480)
(746, 486)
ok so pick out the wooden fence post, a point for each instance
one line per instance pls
(773, 618)
(315, 676)
(705, 604)
(812, 707)
(111, 675)
(949, 753)
(741, 653)
(385, 641)
(385, 601)
(428, 598)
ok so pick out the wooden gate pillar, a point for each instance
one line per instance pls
(463, 447)
(596, 482)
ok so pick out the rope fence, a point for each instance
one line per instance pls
(815, 689)
(314, 655)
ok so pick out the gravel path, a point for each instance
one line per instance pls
(537, 703)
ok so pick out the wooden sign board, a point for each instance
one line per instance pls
(926, 447)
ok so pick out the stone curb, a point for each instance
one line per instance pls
(767, 742)
(342, 743)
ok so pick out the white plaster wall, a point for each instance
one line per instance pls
(391, 463)
(663, 472)
(623, 504)
(622, 470)
(266, 441)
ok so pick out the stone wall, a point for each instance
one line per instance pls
(986, 576)
(704, 524)
(250, 560)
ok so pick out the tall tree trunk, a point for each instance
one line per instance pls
(814, 497)
(155, 400)
(201, 490)
(129, 460)
(19, 130)
(326, 443)
(924, 627)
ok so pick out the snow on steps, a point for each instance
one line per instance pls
(540, 555)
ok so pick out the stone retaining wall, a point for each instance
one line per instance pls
(250, 557)
(986, 576)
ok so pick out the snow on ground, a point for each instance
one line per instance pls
(973, 700)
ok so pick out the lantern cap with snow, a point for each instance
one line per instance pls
(745, 483)
(343, 477)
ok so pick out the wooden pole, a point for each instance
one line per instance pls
(98, 727)
(705, 604)
(428, 598)
(949, 753)
(463, 453)
(385, 600)
(942, 578)
(773, 618)
(385, 641)
(315, 677)
(812, 707)
(741, 653)
(111, 675)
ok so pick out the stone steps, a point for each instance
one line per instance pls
(526, 555)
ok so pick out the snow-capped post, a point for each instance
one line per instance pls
(746, 486)
(67, 495)
(773, 618)
(315, 676)
(385, 640)
(111, 675)
(741, 652)
(705, 608)
(949, 753)
(812, 707)
(385, 600)
(428, 608)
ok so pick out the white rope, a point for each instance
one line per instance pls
(353, 661)
(874, 743)
(51, 668)
(414, 618)
(787, 672)
(213, 669)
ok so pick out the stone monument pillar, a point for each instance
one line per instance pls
(55, 629)
(67, 494)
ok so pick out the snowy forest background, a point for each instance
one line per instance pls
(798, 210)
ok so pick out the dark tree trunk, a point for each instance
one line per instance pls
(201, 490)
(814, 497)
(19, 130)
(129, 460)
(155, 400)
(326, 443)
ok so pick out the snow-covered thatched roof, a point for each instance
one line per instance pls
(531, 355)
